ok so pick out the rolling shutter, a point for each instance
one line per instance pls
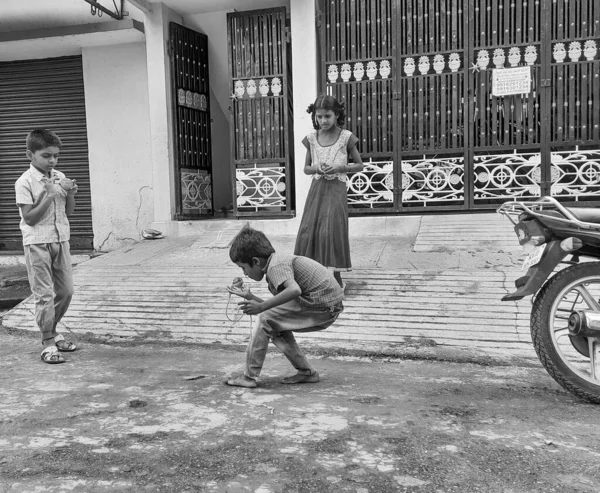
(48, 94)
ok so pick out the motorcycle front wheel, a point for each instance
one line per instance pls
(566, 358)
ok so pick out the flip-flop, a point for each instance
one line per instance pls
(62, 345)
(51, 356)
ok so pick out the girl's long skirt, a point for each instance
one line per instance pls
(323, 233)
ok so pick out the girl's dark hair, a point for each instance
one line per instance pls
(250, 243)
(328, 103)
(40, 138)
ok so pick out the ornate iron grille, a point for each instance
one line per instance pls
(574, 100)
(453, 141)
(192, 144)
(357, 40)
(261, 111)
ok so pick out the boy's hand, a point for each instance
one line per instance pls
(244, 293)
(251, 307)
(73, 189)
(50, 187)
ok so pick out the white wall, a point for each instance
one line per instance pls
(160, 94)
(214, 25)
(304, 80)
(117, 109)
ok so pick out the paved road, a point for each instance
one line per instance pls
(126, 417)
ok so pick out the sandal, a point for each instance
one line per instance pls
(51, 356)
(62, 345)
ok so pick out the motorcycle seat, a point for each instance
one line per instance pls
(585, 214)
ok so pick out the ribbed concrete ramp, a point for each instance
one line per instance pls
(474, 232)
(174, 289)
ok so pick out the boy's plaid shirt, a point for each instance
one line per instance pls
(319, 288)
(53, 227)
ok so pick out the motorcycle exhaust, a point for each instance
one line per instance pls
(584, 324)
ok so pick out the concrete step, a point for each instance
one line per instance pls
(449, 308)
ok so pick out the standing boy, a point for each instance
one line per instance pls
(306, 298)
(45, 198)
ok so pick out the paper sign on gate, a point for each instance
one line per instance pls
(507, 81)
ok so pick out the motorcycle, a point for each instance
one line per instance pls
(565, 317)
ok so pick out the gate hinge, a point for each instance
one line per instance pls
(396, 95)
(170, 48)
(319, 17)
(546, 83)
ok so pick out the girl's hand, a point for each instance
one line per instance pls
(251, 307)
(332, 169)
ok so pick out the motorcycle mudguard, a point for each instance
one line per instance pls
(538, 273)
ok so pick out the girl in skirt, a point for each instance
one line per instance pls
(323, 233)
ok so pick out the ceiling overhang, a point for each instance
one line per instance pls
(67, 40)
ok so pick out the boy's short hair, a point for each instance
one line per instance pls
(40, 138)
(250, 243)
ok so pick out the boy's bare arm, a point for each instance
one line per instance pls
(290, 292)
(70, 206)
(33, 213)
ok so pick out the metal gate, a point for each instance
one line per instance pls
(188, 50)
(417, 76)
(46, 93)
(261, 112)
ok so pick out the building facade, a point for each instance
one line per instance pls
(177, 112)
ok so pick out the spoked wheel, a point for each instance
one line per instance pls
(566, 358)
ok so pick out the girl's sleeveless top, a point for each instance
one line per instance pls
(336, 153)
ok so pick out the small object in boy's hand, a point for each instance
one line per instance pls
(67, 184)
(238, 283)
(236, 291)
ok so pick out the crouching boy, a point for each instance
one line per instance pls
(306, 298)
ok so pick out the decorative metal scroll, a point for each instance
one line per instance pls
(507, 176)
(196, 192)
(373, 186)
(260, 188)
(252, 88)
(358, 68)
(191, 99)
(438, 64)
(357, 71)
(576, 174)
(431, 181)
(261, 111)
(192, 144)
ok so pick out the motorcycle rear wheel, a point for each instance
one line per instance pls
(574, 288)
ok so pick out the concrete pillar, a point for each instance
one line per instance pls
(160, 104)
(304, 78)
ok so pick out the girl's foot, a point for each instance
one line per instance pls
(242, 381)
